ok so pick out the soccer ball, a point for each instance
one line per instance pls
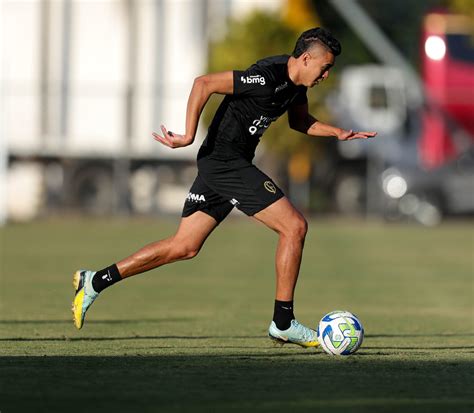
(340, 333)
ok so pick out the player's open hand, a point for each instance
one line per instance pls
(348, 135)
(170, 139)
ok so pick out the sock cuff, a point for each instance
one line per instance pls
(283, 314)
(105, 278)
(114, 272)
(284, 303)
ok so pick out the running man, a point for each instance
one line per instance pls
(227, 178)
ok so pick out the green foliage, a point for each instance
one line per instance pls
(257, 36)
(462, 6)
(465, 7)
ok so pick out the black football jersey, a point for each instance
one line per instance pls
(262, 93)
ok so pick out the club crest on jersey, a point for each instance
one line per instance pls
(270, 186)
(195, 197)
(253, 79)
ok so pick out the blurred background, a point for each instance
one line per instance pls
(85, 82)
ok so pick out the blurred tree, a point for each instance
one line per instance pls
(299, 15)
(462, 7)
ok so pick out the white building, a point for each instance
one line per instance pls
(91, 79)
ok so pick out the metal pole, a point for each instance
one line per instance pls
(44, 68)
(379, 44)
(65, 68)
(158, 63)
(122, 163)
(131, 71)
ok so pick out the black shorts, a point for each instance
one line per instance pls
(223, 184)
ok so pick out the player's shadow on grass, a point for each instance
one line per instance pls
(225, 382)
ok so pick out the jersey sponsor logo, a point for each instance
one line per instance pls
(261, 124)
(270, 186)
(195, 197)
(281, 87)
(253, 79)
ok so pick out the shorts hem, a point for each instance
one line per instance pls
(219, 217)
(252, 211)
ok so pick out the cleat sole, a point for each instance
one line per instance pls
(279, 342)
(76, 309)
(76, 279)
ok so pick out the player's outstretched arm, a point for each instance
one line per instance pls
(203, 88)
(300, 120)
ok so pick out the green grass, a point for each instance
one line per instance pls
(192, 336)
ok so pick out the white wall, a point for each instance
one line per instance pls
(20, 73)
(88, 71)
(98, 75)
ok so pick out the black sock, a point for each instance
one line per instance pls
(283, 314)
(105, 278)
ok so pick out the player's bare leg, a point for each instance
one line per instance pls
(291, 228)
(185, 244)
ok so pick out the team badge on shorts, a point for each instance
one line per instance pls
(270, 186)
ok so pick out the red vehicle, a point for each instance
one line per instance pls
(448, 77)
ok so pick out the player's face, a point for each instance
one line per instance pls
(317, 66)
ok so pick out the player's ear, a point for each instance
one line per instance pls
(306, 57)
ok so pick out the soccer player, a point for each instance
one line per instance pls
(227, 178)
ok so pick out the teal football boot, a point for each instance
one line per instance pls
(296, 334)
(84, 296)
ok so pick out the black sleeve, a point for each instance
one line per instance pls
(255, 81)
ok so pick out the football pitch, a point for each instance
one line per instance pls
(192, 336)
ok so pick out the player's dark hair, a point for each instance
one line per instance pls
(316, 35)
